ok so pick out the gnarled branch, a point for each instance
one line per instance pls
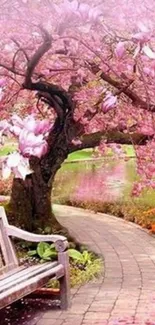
(114, 136)
(126, 91)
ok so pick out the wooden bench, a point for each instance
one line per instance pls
(18, 281)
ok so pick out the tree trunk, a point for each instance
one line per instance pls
(30, 205)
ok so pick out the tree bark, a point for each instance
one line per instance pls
(30, 205)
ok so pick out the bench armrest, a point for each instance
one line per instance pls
(61, 243)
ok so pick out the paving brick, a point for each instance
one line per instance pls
(50, 322)
(96, 316)
(52, 314)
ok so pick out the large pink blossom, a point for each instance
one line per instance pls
(17, 164)
(32, 145)
(30, 124)
(4, 129)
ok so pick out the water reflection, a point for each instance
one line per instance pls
(99, 180)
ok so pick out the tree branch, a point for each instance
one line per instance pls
(43, 48)
(114, 136)
(126, 91)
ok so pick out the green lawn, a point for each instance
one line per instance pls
(82, 154)
(129, 150)
(5, 150)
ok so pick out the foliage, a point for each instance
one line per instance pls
(80, 276)
(46, 252)
(84, 265)
(79, 258)
(136, 211)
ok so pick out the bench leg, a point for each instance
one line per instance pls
(64, 281)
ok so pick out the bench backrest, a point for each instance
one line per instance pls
(8, 257)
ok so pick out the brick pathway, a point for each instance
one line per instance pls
(126, 293)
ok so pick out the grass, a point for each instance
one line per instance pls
(80, 155)
(5, 150)
(129, 150)
(87, 154)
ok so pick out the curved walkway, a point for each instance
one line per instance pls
(126, 292)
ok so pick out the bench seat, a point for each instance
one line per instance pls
(17, 281)
(27, 280)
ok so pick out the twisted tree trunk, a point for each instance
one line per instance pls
(30, 205)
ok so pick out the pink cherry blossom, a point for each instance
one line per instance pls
(4, 125)
(120, 50)
(147, 130)
(4, 129)
(17, 121)
(147, 50)
(109, 103)
(31, 144)
(15, 130)
(94, 14)
(2, 82)
(29, 123)
(42, 127)
(84, 9)
(141, 37)
(17, 164)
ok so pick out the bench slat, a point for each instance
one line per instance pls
(28, 286)
(5, 274)
(25, 274)
(5, 278)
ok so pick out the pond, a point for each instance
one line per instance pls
(105, 180)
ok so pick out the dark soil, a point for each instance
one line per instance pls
(26, 311)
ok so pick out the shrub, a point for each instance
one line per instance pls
(134, 210)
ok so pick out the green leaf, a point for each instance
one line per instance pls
(49, 254)
(32, 253)
(74, 254)
(52, 246)
(41, 248)
(86, 257)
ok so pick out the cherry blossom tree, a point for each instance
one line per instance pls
(73, 76)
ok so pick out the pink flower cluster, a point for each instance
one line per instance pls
(32, 135)
(141, 39)
(82, 11)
